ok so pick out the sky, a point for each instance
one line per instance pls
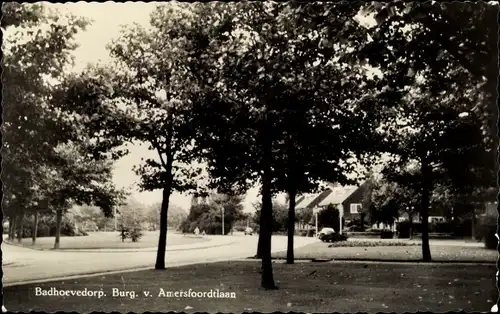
(107, 19)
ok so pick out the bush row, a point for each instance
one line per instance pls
(372, 243)
(47, 227)
(461, 228)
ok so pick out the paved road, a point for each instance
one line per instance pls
(23, 265)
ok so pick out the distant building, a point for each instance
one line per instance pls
(348, 199)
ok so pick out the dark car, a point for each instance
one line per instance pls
(332, 237)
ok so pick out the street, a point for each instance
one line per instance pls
(24, 265)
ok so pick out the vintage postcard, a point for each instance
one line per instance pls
(250, 157)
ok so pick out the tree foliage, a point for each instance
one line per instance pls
(46, 165)
(208, 216)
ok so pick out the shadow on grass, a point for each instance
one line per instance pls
(303, 287)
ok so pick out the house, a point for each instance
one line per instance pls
(348, 200)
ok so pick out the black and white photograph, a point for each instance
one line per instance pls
(250, 156)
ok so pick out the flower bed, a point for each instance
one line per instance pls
(372, 243)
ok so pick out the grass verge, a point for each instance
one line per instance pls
(304, 287)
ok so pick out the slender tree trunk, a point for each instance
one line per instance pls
(410, 226)
(20, 230)
(162, 242)
(58, 228)
(35, 228)
(426, 191)
(12, 226)
(291, 226)
(267, 279)
(473, 223)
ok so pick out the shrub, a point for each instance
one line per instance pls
(463, 228)
(135, 234)
(403, 229)
(123, 232)
(372, 244)
(442, 227)
(386, 234)
(306, 233)
(334, 237)
(490, 239)
(132, 233)
(239, 228)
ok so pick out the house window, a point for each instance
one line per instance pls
(355, 208)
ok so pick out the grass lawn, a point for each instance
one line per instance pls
(110, 240)
(304, 287)
(440, 253)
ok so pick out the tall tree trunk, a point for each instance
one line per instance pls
(426, 192)
(261, 238)
(35, 228)
(291, 226)
(267, 279)
(162, 242)
(58, 228)
(473, 223)
(410, 226)
(20, 230)
(12, 226)
(362, 221)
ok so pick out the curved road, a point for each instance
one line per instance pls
(24, 265)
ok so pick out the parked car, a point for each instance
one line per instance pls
(248, 231)
(333, 237)
(325, 231)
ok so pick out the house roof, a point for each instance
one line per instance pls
(306, 200)
(333, 194)
(338, 194)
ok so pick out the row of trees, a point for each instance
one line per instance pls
(282, 94)
(48, 164)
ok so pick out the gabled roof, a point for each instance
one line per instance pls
(338, 195)
(305, 200)
(333, 194)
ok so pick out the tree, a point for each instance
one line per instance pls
(175, 218)
(208, 217)
(150, 88)
(280, 216)
(465, 33)
(265, 86)
(37, 177)
(304, 216)
(388, 199)
(81, 180)
(329, 218)
(132, 214)
(416, 47)
(28, 66)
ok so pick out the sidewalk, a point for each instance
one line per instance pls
(214, 241)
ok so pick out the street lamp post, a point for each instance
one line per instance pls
(341, 214)
(223, 220)
(114, 214)
(315, 211)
